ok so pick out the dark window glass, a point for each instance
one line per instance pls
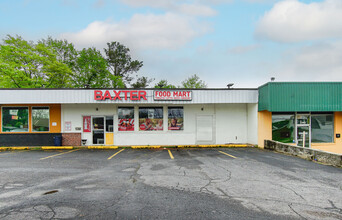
(15, 119)
(109, 123)
(98, 123)
(283, 128)
(322, 128)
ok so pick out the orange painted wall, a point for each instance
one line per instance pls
(55, 116)
(335, 147)
(264, 127)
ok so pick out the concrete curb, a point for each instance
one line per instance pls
(116, 147)
(319, 156)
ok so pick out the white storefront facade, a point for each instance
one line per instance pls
(139, 117)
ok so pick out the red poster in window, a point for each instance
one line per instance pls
(86, 124)
(126, 124)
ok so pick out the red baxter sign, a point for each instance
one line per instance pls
(133, 95)
(180, 95)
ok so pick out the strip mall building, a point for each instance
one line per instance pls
(306, 114)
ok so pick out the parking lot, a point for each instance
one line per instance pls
(218, 183)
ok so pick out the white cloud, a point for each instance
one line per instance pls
(196, 10)
(167, 31)
(293, 21)
(320, 61)
(193, 8)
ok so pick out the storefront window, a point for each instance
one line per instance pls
(109, 123)
(175, 118)
(151, 119)
(15, 119)
(126, 119)
(283, 127)
(40, 119)
(322, 128)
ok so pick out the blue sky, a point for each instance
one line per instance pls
(244, 42)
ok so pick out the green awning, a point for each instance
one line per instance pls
(300, 97)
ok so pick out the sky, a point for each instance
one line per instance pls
(245, 42)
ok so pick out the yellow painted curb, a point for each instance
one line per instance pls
(212, 145)
(103, 147)
(144, 146)
(57, 148)
(14, 148)
(235, 145)
(133, 147)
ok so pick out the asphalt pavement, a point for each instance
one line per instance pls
(218, 183)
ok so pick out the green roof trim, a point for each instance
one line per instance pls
(300, 97)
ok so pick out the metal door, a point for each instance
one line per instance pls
(204, 129)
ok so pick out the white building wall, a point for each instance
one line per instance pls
(231, 123)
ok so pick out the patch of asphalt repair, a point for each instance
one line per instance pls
(147, 184)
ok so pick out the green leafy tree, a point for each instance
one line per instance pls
(91, 70)
(193, 82)
(120, 62)
(25, 64)
(142, 82)
(65, 51)
(163, 84)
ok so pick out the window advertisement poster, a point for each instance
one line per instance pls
(86, 123)
(151, 119)
(67, 126)
(126, 119)
(175, 118)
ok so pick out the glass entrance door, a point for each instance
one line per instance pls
(303, 136)
(303, 131)
(98, 130)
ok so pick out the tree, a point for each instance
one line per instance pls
(120, 62)
(193, 82)
(91, 70)
(142, 82)
(24, 64)
(65, 51)
(163, 84)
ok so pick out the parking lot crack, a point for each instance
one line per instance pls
(223, 192)
(53, 212)
(293, 192)
(229, 176)
(206, 185)
(334, 207)
(135, 176)
(290, 206)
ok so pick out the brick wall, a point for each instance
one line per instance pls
(71, 139)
